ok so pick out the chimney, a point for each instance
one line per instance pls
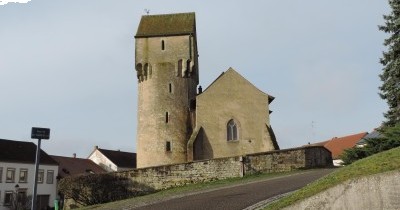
(200, 89)
(74, 155)
(96, 147)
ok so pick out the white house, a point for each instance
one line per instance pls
(17, 168)
(112, 160)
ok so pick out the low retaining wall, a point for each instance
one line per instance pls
(379, 191)
(287, 160)
(162, 177)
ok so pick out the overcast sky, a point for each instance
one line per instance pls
(69, 66)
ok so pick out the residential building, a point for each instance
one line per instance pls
(17, 169)
(373, 135)
(112, 160)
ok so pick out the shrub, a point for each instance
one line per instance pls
(390, 139)
(100, 188)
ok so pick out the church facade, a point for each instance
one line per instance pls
(178, 122)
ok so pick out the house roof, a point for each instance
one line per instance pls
(22, 152)
(166, 25)
(338, 144)
(374, 134)
(70, 166)
(119, 158)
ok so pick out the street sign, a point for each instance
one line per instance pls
(40, 133)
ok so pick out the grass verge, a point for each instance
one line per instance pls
(186, 190)
(378, 163)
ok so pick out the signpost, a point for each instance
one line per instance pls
(39, 134)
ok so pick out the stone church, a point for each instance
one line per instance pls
(178, 121)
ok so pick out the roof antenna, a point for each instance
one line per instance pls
(147, 11)
(313, 129)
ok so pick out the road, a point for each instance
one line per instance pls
(242, 196)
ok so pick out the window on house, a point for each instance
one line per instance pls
(23, 175)
(50, 177)
(8, 198)
(1, 174)
(40, 176)
(10, 177)
(232, 130)
(166, 117)
(21, 195)
(168, 146)
(170, 87)
(162, 45)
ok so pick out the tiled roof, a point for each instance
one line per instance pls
(338, 144)
(166, 25)
(22, 152)
(69, 166)
(119, 158)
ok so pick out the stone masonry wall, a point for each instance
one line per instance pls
(287, 160)
(162, 177)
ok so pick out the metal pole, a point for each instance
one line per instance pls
(36, 175)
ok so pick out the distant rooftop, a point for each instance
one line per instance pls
(71, 166)
(22, 152)
(166, 25)
(119, 158)
(338, 144)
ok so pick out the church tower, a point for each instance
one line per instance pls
(167, 71)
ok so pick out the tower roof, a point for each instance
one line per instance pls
(166, 25)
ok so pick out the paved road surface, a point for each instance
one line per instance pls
(240, 197)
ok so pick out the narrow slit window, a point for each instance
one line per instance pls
(168, 146)
(162, 45)
(166, 117)
(170, 87)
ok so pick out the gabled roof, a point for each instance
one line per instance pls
(166, 25)
(119, 158)
(70, 166)
(374, 134)
(22, 152)
(338, 144)
(231, 70)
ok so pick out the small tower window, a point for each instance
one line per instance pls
(232, 130)
(170, 87)
(168, 146)
(162, 45)
(166, 117)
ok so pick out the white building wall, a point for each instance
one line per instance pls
(102, 161)
(42, 188)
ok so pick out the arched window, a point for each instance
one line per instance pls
(232, 130)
